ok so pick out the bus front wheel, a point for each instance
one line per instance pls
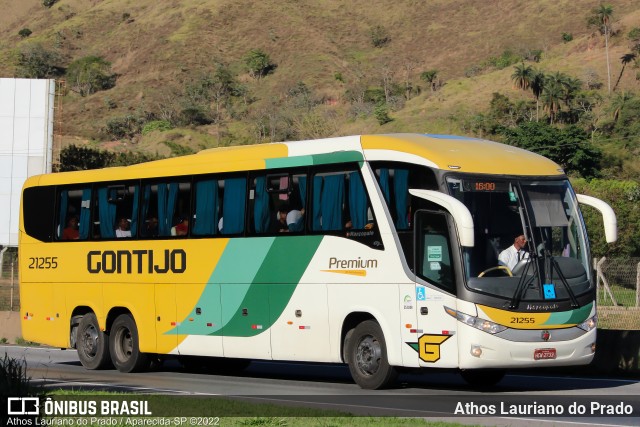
(367, 357)
(124, 345)
(92, 343)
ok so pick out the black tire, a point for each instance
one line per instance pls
(482, 378)
(366, 352)
(92, 343)
(124, 346)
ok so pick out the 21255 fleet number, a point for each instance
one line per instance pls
(43, 262)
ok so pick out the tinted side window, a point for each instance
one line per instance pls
(278, 203)
(165, 209)
(73, 216)
(116, 211)
(340, 205)
(38, 212)
(395, 180)
(234, 197)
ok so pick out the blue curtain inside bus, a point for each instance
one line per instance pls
(233, 205)
(206, 207)
(146, 196)
(332, 201)
(401, 190)
(134, 212)
(316, 203)
(384, 185)
(107, 214)
(64, 201)
(357, 202)
(167, 197)
(85, 214)
(261, 218)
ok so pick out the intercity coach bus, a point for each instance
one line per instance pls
(378, 251)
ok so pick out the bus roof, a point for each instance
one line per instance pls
(446, 152)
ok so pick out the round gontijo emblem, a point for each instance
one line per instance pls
(545, 335)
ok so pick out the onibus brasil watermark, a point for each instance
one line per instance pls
(32, 411)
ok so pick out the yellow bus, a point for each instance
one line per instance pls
(379, 251)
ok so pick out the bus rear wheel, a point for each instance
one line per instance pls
(366, 352)
(124, 346)
(92, 343)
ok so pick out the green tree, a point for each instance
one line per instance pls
(537, 87)
(36, 62)
(570, 147)
(522, 76)
(258, 63)
(381, 113)
(552, 95)
(429, 77)
(89, 75)
(619, 102)
(73, 158)
(624, 198)
(24, 33)
(601, 17)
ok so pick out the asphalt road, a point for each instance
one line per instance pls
(432, 395)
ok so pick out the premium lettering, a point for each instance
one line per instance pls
(352, 263)
(138, 261)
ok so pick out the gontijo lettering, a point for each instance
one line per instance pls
(137, 261)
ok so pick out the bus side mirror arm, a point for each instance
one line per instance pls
(608, 216)
(457, 209)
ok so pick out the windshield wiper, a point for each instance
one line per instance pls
(523, 282)
(572, 296)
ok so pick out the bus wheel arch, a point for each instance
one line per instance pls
(365, 351)
(91, 342)
(124, 343)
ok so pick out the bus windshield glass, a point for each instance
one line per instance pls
(529, 238)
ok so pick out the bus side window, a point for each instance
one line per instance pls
(340, 202)
(234, 198)
(207, 207)
(328, 201)
(74, 214)
(116, 211)
(168, 202)
(433, 251)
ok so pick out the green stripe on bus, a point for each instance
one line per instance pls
(255, 275)
(571, 317)
(316, 159)
(273, 285)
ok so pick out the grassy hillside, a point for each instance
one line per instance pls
(156, 47)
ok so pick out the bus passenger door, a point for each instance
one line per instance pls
(435, 290)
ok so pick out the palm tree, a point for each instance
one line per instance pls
(619, 102)
(537, 86)
(552, 94)
(603, 16)
(625, 59)
(522, 76)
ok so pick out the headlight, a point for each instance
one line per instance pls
(589, 324)
(478, 323)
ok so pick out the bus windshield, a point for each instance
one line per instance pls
(553, 263)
